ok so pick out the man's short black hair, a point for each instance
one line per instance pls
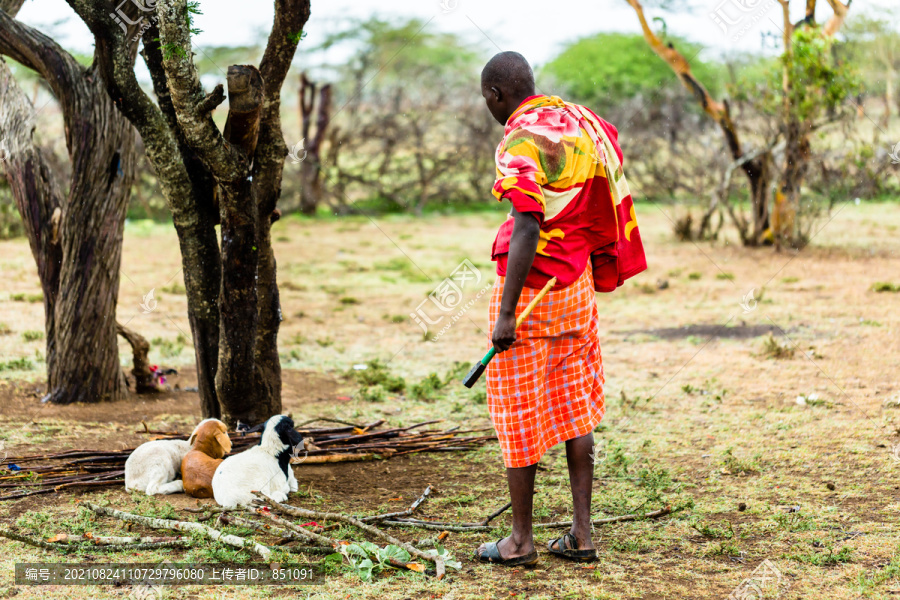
(510, 72)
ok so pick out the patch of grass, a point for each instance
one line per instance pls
(428, 388)
(869, 323)
(374, 393)
(404, 267)
(176, 287)
(694, 276)
(325, 342)
(16, 364)
(168, 348)
(5, 329)
(23, 297)
(349, 300)
(885, 286)
(290, 285)
(713, 531)
(790, 279)
(734, 465)
(377, 374)
(32, 335)
(890, 571)
(725, 276)
(772, 348)
(828, 558)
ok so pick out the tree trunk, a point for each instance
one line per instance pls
(311, 161)
(232, 295)
(143, 378)
(83, 358)
(36, 191)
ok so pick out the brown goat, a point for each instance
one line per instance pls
(209, 443)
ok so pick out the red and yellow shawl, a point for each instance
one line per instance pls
(562, 163)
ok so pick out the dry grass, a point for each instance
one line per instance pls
(704, 421)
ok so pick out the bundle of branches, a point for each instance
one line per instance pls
(47, 473)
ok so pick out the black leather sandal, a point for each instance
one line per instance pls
(491, 554)
(567, 547)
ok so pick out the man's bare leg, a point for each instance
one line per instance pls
(580, 459)
(521, 493)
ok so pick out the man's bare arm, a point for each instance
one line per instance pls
(522, 248)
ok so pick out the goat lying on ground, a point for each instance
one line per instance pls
(154, 467)
(263, 468)
(209, 443)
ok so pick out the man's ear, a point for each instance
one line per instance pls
(497, 93)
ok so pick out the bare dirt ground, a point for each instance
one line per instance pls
(781, 449)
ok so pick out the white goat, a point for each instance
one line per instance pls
(263, 468)
(155, 467)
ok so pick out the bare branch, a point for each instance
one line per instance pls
(212, 100)
(224, 161)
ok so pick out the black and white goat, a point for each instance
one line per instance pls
(264, 468)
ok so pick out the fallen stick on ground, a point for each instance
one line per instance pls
(111, 540)
(230, 519)
(634, 517)
(497, 513)
(331, 458)
(437, 526)
(154, 523)
(65, 548)
(203, 509)
(301, 531)
(403, 513)
(294, 511)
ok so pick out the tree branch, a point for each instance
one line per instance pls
(224, 161)
(837, 19)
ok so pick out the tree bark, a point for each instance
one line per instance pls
(184, 181)
(84, 364)
(235, 312)
(310, 174)
(143, 378)
(36, 192)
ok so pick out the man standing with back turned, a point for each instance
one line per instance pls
(572, 217)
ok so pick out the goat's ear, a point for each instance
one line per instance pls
(192, 438)
(224, 441)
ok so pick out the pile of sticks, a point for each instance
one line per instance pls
(22, 476)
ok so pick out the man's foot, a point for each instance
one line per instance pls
(572, 548)
(507, 551)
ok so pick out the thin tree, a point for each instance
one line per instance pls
(775, 220)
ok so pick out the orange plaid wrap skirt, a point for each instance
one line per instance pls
(548, 387)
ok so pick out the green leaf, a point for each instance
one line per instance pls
(395, 552)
